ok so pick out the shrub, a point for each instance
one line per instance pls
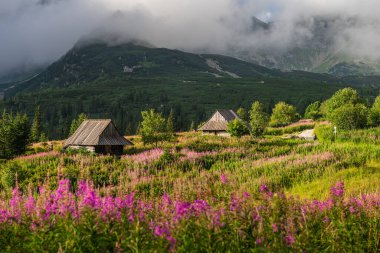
(283, 115)
(237, 128)
(313, 111)
(343, 97)
(374, 113)
(350, 117)
(201, 146)
(166, 158)
(325, 133)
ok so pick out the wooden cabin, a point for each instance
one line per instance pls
(99, 136)
(217, 124)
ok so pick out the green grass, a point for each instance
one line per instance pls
(357, 180)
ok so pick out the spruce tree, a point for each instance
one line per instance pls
(170, 122)
(77, 122)
(35, 131)
(14, 135)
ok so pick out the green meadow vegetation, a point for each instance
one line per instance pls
(199, 193)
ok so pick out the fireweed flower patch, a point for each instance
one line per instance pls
(146, 157)
(263, 220)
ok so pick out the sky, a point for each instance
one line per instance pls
(38, 32)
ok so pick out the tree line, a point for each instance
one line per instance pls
(345, 109)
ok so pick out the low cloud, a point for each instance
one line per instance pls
(37, 32)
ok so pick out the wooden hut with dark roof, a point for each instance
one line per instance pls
(99, 136)
(217, 124)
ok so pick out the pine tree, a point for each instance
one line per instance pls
(170, 122)
(14, 134)
(35, 131)
(77, 122)
(192, 126)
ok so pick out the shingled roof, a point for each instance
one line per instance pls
(219, 121)
(99, 132)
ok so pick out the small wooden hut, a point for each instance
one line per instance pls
(217, 124)
(99, 136)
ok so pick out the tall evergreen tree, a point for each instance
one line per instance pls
(14, 134)
(36, 129)
(77, 122)
(170, 122)
(192, 126)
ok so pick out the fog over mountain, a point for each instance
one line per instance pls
(319, 34)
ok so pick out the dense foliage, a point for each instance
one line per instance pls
(343, 97)
(237, 128)
(154, 128)
(313, 111)
(325, 133)
(350, 117)
(283, 114)
(374, 113)
(14, 134)
(258, 119)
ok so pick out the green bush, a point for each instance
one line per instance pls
(201, 146)
(237, 128)
(350, 117)
(325, 133)
(313, 111)
(341, 98)
(374, 113)
(283, 115)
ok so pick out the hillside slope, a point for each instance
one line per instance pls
(120, 81)
(86, 63)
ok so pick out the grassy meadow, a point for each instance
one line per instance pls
(197, 194)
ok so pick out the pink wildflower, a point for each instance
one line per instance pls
(275, 228)
(289, 239)
(264, 189)
(224, 179)
(337, 190)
